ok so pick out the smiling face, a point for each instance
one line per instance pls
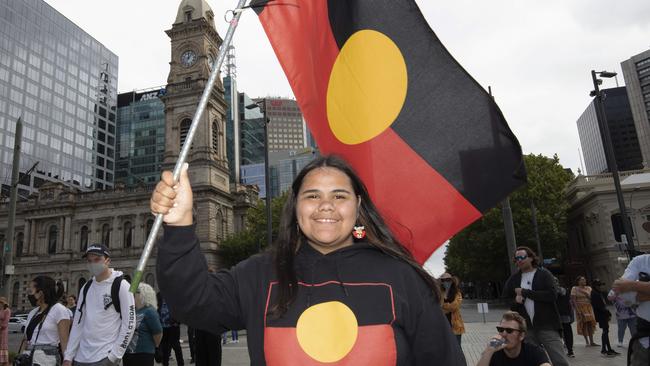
(326, 209)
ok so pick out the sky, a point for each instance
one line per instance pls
(536, 55)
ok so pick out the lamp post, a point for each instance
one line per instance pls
(601, 117)
(261, 104)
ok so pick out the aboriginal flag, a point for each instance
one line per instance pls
(377, 87)
(321, 328)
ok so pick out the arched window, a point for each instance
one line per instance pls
(15, 295)
(128, 234)
(83, 238)
(52, 237)
(184, 129)
(215, 138)
(219, 222)
(149, 226)
(80, 284)
(20, 241)
(106, 235)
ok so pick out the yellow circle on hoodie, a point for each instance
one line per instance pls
(367, 87)
(327, 331)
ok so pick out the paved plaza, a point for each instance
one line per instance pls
(474, 340)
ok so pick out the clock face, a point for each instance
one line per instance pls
(188, 58)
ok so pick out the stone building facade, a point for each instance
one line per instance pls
(54, 227)
(595, 246)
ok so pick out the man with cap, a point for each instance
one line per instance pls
(105, 318)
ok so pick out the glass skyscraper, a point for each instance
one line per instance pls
(63, 83)
(141, 137)
(621, 130)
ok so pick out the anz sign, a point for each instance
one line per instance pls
(151, 95)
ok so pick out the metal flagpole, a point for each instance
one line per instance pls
(146, 252)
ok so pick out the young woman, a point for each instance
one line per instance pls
(148, 329)
(321, 295)
(586, 320)
(48, 325)
(452, 299)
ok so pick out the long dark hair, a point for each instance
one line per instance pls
(52, 290)
(289, 238)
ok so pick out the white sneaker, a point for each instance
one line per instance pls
(620, 344)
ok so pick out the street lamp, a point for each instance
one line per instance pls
(601, 117)
(261, 104)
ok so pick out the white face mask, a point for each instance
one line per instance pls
(97, 268)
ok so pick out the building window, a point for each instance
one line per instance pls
(106, 235)
(128, 234)
(215, 138)
(149, 226)
(184, 130)
(20, 241)
(83, 238)
(188, 16)
(52, 237)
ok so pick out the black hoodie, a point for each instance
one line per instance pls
(354, 306)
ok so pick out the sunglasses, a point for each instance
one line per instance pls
(519, 258)
(445, 280)
(507, 330)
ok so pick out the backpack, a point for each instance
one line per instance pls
(115, 296)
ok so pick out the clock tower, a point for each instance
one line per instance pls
(194, 45)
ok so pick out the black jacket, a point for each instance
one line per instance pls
(599, 305)
(543, 293)
(354, 290)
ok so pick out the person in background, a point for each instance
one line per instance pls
(634, 288)
(602, 316)
(148, 333)
(171, 335)
(565, 309)
(105, 318)
(5, 314)
(48, 324)
(581, 300)
(452, 299)
(507, 347)
(71, 303)
(625, 316)
(533, 296)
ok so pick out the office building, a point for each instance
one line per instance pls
(287, 128)
(141, 136)
(621, 129)
(63, 83)
(636, 72)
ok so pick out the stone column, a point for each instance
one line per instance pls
(67, 234)
(116, 239)
(28, 237)
(138, 232)
(34, 238)
(60, 239)
(92, 235)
